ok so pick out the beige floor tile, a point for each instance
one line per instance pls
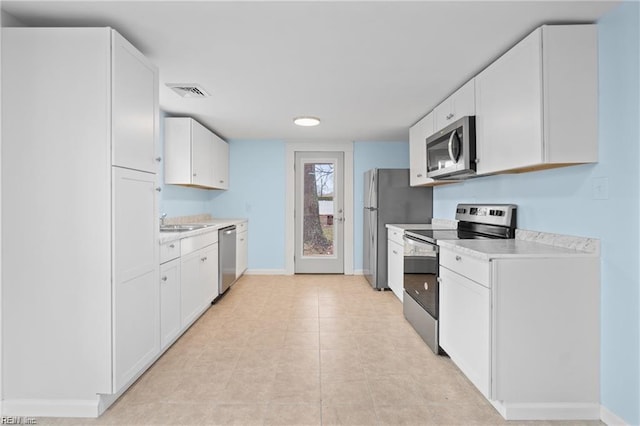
(298, 350)
(346, 393)
(237, 414)
(406, 415)
(349, 415)
(293, 415)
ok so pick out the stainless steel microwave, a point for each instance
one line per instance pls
(451, 152)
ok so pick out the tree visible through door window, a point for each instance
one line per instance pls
(318, 209)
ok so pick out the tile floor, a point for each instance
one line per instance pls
(301, 350)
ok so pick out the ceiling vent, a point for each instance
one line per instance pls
(188, 90)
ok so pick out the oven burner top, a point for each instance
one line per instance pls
(475, 222)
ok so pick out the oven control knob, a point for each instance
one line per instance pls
(426, 286)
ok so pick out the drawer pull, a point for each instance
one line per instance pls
(158, 159)
(419, 175)
(204, 258)
(172, 246)
(164, 278)
(395, 252)
(458, 258)
(450, 116)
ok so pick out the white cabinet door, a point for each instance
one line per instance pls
(509, 102)
(220, 163)
(134, 107)
(170, 320)
(190, 287)
(201, 155)
(136, 322)
(465, 326)
(242, 246)
(456, 106)
(395, 270)
(418, 134)
(209, 275)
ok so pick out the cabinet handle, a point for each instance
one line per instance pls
(221, 181)
(172, 246)
(204, 258)
(158, 189)
(158, 159)
(395, 252)
(458, 258)
(241, 239)
(419, 175)
(450, 116)
(195, 174)
(164, 278)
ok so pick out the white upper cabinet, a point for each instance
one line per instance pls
(460, 104)
(418, 135)
(220, 156)
(134, 115)
(536, 106)
(193, 155)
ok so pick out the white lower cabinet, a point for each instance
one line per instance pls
(198, 275)
(170, 318)
(242, 248)
(395, 259)
(465, 326)
(525, 331)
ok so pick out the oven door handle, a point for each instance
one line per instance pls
(417, 248)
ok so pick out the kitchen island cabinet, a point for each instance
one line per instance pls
(536, 105)
(521, 320)
(89, 294)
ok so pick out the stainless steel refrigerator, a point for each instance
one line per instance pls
(388, 198)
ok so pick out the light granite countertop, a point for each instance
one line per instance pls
(512, 248)
(212, 225)
(435, 224)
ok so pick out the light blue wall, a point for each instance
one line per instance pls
(562, 201)
(256, 191)
(370, 155)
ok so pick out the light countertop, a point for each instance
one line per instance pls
(213, 225)
(512, 248)
(418, 226)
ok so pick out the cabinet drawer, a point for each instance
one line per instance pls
(465, 265)
(169, 251)
(191, 244)
(395, 235)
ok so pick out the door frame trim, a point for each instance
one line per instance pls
(313, 146)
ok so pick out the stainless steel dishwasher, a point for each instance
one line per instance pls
(226, 257)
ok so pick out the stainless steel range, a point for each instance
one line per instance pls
(421, 263)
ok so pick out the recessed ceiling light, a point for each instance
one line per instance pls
(306, 121)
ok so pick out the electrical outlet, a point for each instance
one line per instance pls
(600, 188)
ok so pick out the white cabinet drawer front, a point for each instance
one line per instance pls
(191, 244)
(395, 235)
(467, 266)
(169, 251)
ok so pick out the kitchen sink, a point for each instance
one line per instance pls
(180, 228)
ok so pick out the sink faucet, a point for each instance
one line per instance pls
(162, 218)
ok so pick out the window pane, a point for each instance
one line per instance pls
(318, 209)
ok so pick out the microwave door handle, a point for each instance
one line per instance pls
(453, 134)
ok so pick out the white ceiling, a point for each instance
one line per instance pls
(369, 70)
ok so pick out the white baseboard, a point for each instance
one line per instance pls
(609, 418)
(265, 272)
(548, 411)
(358, 272)
(51, 408)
